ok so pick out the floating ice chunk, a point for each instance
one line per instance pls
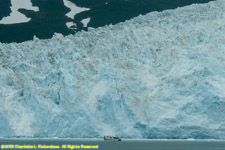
(17, 17)
(74, 9)
(71, 25)
(85, 22)
(58, 34)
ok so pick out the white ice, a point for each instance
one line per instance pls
(17, 17)
(74, 9)
(85, 21)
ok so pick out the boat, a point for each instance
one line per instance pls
(111, 138)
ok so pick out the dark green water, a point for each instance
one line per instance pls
(4, 8)
(124, 144)
(51, 17)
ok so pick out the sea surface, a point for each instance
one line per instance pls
(123, 145)
(70, 16)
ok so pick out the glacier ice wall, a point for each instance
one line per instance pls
(161, 75)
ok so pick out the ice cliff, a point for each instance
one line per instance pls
(161, 75)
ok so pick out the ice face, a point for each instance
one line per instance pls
(161, 75)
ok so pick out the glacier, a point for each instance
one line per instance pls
(160, 75)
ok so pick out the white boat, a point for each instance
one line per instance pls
(111, 138)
